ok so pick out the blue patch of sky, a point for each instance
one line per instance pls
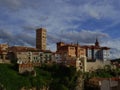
(7, 18)
(10, 20)
(77, 2)
(114, 31)
(94, 24)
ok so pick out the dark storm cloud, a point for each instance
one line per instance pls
(10, 4)
(27, 38)
(6, 36)
(84, 36)
(16, 39)
(20, 18)
(52, 39)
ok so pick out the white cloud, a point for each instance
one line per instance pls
(11, 4)
(101, 11)
(62, 19)
(83, 36)
(114, 44)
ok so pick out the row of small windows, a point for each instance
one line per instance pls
(72, 48)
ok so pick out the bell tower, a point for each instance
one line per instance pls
(97, 43)
(41, 39)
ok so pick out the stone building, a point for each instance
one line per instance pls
(71, 55)
(115, 63)
(24, 61)
(70, 50)
(47, 56)
(86, 58)
(4, 53)
(97, 56)
(96, 52)
(23, 56)
(103, 84)
(27, 57)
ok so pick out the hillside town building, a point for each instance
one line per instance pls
(96, 52)
(71, 55)
(103, 84)
(83, 57)
(97, 56)
(115, 63)
(28, 57)
(4, 53)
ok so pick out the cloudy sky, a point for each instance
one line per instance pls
(65, 20)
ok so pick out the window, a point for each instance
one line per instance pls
(34, 58)
(72, 48)
(81, 49)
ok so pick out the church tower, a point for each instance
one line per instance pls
(97, 43)
(41, 39)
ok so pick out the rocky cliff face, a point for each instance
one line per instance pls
(34, 88)
(80, 83)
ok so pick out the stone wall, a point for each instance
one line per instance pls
(91, 66)
(5, 61)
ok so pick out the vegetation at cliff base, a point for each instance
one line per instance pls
(54, 77)
(10, 79)
(107, 72)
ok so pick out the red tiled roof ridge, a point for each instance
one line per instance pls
(22, 47)
(100, 79)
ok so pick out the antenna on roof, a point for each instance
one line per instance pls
(43, 19)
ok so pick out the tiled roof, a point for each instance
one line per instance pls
(22, 49)
(46, 51)
(101, 79)
(95, 47)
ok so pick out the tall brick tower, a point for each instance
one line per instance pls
(41, 39)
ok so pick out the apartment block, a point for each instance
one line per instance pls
(96, 52)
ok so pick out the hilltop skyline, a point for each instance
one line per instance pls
(65, 20)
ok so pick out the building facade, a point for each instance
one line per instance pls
(86, 58)
(70, 50)
(103, 84)
(4, 53)
(28, 57)
(71, 55)
(115, 63)
(24, 61)
(41, 39)
(25, 57)
(96, 52)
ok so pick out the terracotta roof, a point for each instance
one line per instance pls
(46, 51)
(22, 49)
(60, 42)
(65, 44)
(106, 48)
(84, 46)
(101, 79)
(94, 47)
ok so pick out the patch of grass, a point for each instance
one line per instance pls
(53, 76)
